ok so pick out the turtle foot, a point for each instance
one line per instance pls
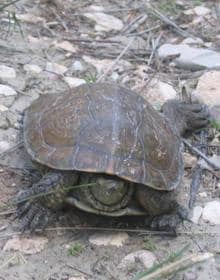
(186, 117)
(33, 216)
(34, 203)
(170, 221)
(166, 222)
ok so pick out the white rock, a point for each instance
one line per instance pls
(208, 92)
(4, 146)
(56, 68)
(74, 82)
(196, 214)
(25, 245)
(66, 45)
(203, 194)
(7, 72)
(147, 258)
(77, 66)
(109, 239)
(105, 22)
(96, 8)
(189, 57)
(29, 18)
(3, 108)
(7, 91)
(201, 11)
(192, 41)
(211, 212)
(32, 68)
(158, 92)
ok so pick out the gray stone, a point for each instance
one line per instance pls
(190, 57)
(208, 92)
(146, 258)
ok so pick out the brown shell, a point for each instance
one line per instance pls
(104, 128)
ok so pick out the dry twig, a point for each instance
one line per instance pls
(176, 266)
(198, 152)
(167, 21)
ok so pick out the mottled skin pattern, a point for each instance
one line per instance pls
(108, 135)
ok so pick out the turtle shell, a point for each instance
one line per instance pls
(104, 128)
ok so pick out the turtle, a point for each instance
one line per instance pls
(105, 150)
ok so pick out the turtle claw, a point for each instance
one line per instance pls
(34, 203)
(170, 221)
(186, 117)
(33, 216)
(166, 222)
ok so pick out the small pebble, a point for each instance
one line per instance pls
(77, 66)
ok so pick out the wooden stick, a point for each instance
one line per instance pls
(181, 264)
(198, 152)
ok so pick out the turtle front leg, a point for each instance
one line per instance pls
(185, 117)
(166, 209)
(36, 205)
